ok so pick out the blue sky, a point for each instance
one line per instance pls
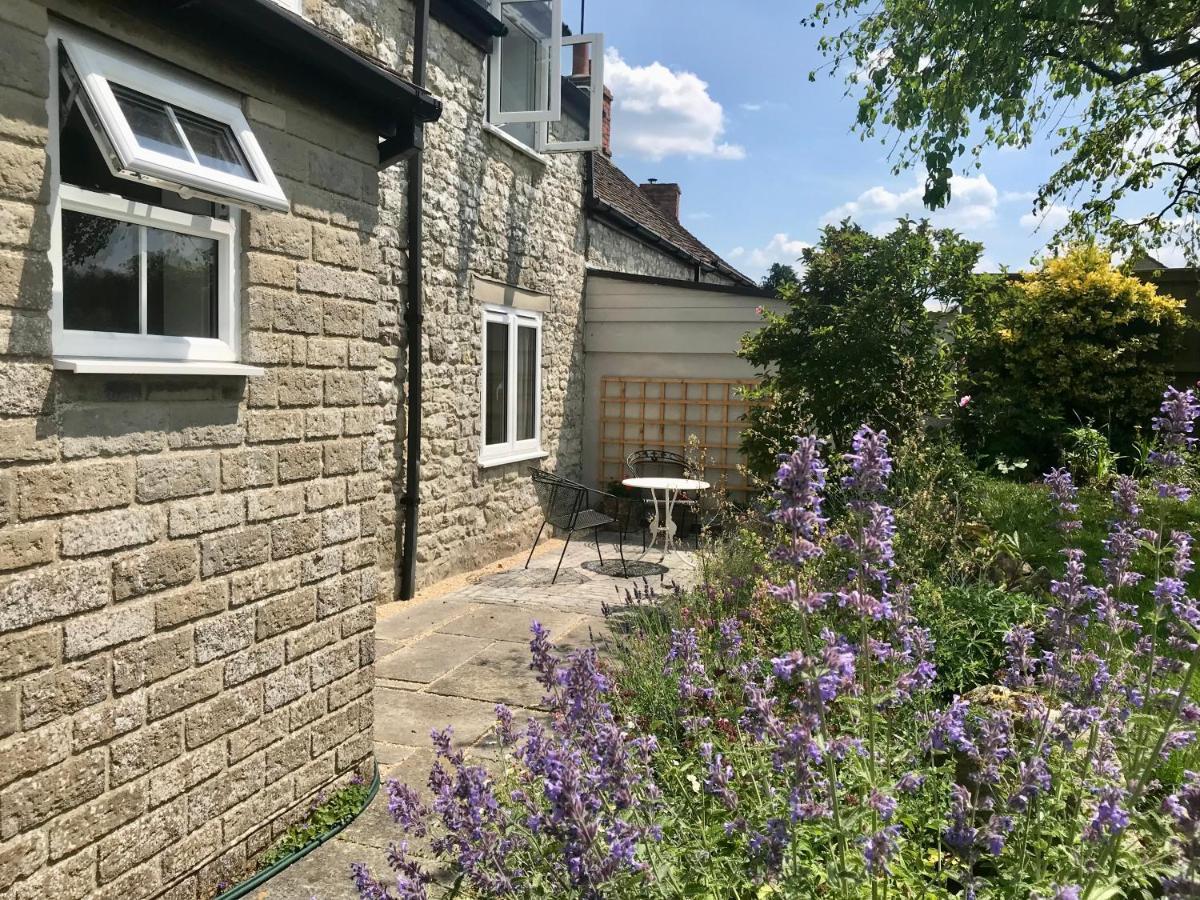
(763, 155)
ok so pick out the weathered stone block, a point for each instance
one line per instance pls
(242, 469)
(258, 660)
(340, 525)
(198, 515)
(224, 635)
(286, 685)
(22, 546)
(297, 314)
(145, 750)
(27, 440)
(161, 567)
(100, 724)
(299, 462)
(228, 712)
(203, 841)
(185, 691)
(338, 246)
(24, 855)
(113, 428)
(227, 789)
(323, 564)
(237, 550)
(108, 628)
(338, 594)
(22, 171)
(287, 756)
(96, 819)
(292, 536)
(28, 652)
(287, 613)
(50, 793)
(343, 318)
(326, 352)
(33, 751)
(307, 710)
(280, 234)
(343, 388)
(322, 423)
(342, 457)
(151, 660)
(164, 478)
(122, 850)
(262, 506)
(265, 581)
(77, 487)
(198, 602)
(274, 426)
(115, 530)
(298, 387)
(62, 692)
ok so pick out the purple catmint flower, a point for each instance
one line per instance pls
(910, 783)
(731, 641)
(766, 847)
(718, 777)
(410, 877)
(804, 599)
(1019, 668)
(800, 482)
(884, 805)
(1125, 499)
(949, 728)
(1110, 817)
(406, 808)
(684, 658)
(368, 888)
(1065, 496)
(959, 834)
(878, 848)
(1066, 892)
(870, 463)
(504, 722)
(1183, 807)
(1175, 425)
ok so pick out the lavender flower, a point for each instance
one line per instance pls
(1184, 809)
(800, 482)
(1065, 495)
(1175, 425)
(870, 464)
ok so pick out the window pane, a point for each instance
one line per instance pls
(100, 274)
(181, 284)
(495, 384)
(527, 368)
(213, 143)
(150, 122)
(518, 70)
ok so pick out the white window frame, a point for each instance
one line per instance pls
(595, 139)
(102, 351)
(296, 6)
(549, 79)
(97, 66)
(512, 450)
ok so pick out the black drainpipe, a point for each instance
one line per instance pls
(414, 318)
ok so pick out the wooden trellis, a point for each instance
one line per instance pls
(661, 413)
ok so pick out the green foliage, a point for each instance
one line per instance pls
(1075, 342)
(781, 280)
(968, 624)
(1115, 83)
(857, 344)
(1089, 455)
(325, 814)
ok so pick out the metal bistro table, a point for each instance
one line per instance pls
(664, 505)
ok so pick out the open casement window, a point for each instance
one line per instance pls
(546, 142)
(525, 66)
(512, 386)
(166, 130)
(144, 268)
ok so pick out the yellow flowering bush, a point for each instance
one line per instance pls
(1075, 341)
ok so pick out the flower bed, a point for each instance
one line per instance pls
(782, 732)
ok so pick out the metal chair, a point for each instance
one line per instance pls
(566, 506)
(656, 463)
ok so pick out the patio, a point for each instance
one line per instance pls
(447, 658)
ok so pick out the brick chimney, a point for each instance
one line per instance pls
(664, 196)
(606, 127)
(581, 74)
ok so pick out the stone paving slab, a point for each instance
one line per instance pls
(500, 623)
(407, 717)
(430, 657)
(500, 674)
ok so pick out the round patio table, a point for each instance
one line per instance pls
(664, 492)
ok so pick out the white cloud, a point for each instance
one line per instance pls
(973, 201)
(1048, 220)
(659, 112)
(780, 249)
(753, 107)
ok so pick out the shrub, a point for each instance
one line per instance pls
(1075, 342)
(814, 758)
(858, 343)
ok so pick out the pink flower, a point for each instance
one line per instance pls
(759, 310)
(963, 401)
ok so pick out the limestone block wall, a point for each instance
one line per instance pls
(614, 250)
(491, 210)
(188, 565)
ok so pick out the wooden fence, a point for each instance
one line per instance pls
(662, 413)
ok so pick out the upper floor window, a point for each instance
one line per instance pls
(296, 6)
(148, 169)
(525, 76)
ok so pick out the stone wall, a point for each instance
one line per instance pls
(615, 251)
(188, 566)
(492, 210)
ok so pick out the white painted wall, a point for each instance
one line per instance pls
(657, 328)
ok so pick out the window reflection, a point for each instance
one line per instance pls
(100, 274)
(496, 384)
(181, 284)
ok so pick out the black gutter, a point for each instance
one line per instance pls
(747, 293)
(312, 52)
(414, 318)
(470, 19)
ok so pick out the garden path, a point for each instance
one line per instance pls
(447, 658)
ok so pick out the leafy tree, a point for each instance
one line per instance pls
(781, 280)
(1075, 342)
(858, 343)
(1117, 81)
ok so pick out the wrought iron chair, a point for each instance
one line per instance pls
(566, 506)
(656, 463)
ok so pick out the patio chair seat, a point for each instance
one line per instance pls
(590, 518)
(566, 508)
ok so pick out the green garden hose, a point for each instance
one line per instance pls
(241, 890)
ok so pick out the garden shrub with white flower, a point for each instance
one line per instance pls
(782, 732)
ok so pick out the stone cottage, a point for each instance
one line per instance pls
(207, 342)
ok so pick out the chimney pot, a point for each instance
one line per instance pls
(665, 197)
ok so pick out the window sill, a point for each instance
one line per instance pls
(502, 135)
(507, 459)
(95, 365)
